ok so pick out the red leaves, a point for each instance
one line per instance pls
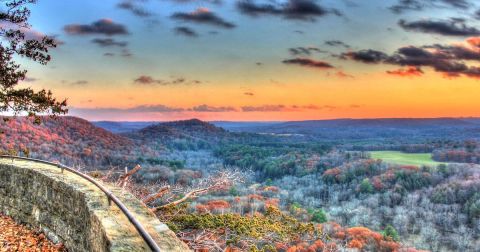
(14, 237)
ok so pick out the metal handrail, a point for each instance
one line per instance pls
(141, 230)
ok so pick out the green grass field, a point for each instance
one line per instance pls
(401, 158)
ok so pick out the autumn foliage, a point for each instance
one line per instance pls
(15, 237)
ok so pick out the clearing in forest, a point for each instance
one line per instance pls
(402, 158)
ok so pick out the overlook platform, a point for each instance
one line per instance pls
(72, 210)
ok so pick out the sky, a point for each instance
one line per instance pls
(255, 60)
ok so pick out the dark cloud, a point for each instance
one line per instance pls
(207, 108)
(283, 108)
(155, 108)
(308, 63)
(249, 93)
(477, 14)
(453, 27)
(306, 10)
(203, 16)
(103, 26)
(185, 31)
(407, 5)
(366, 56)
(264, 108)
(108, 54)
(419, 5)
(108, 42)
(150, 81)
(450, 60)
(462, 4)
(304, 50)
(336, 43)
(147, 80)
(134, 8)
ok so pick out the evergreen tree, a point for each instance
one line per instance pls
(14, 43)
(366, 186)
(391, 232)
(319, 216)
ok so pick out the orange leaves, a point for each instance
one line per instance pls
(340, 235)
(271, 189)
(14, 237)
(333, 172)
(389, 245)
(213, 205)
(274, 202)
(361, 236)
(318, 245)
(255, 197)
(292, 249)
(218, 204)
(355, 244)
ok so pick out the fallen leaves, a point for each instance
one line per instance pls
(15, 237)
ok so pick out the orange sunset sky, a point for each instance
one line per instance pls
(261, 60)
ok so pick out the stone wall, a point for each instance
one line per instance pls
(71, 210)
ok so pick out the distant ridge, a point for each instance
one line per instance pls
(378, 129)
(122, 127)
(187, 129)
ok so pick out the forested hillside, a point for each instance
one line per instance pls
(336, 194)
(70, 140)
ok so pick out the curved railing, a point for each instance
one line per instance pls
(111, 198)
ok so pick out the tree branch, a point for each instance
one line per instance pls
(157, 195)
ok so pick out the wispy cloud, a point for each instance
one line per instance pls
(150, 81)
(410, 71)
(109, 42)
(134, 7)
(185, 31)
(308, 63)
(103, 26)
(208, 108)
(203, 16)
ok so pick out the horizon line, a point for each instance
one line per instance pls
(280, 121)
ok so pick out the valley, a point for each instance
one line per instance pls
(375, 181)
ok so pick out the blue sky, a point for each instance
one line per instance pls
(250, 64)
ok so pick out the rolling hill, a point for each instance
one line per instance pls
(70, 140)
